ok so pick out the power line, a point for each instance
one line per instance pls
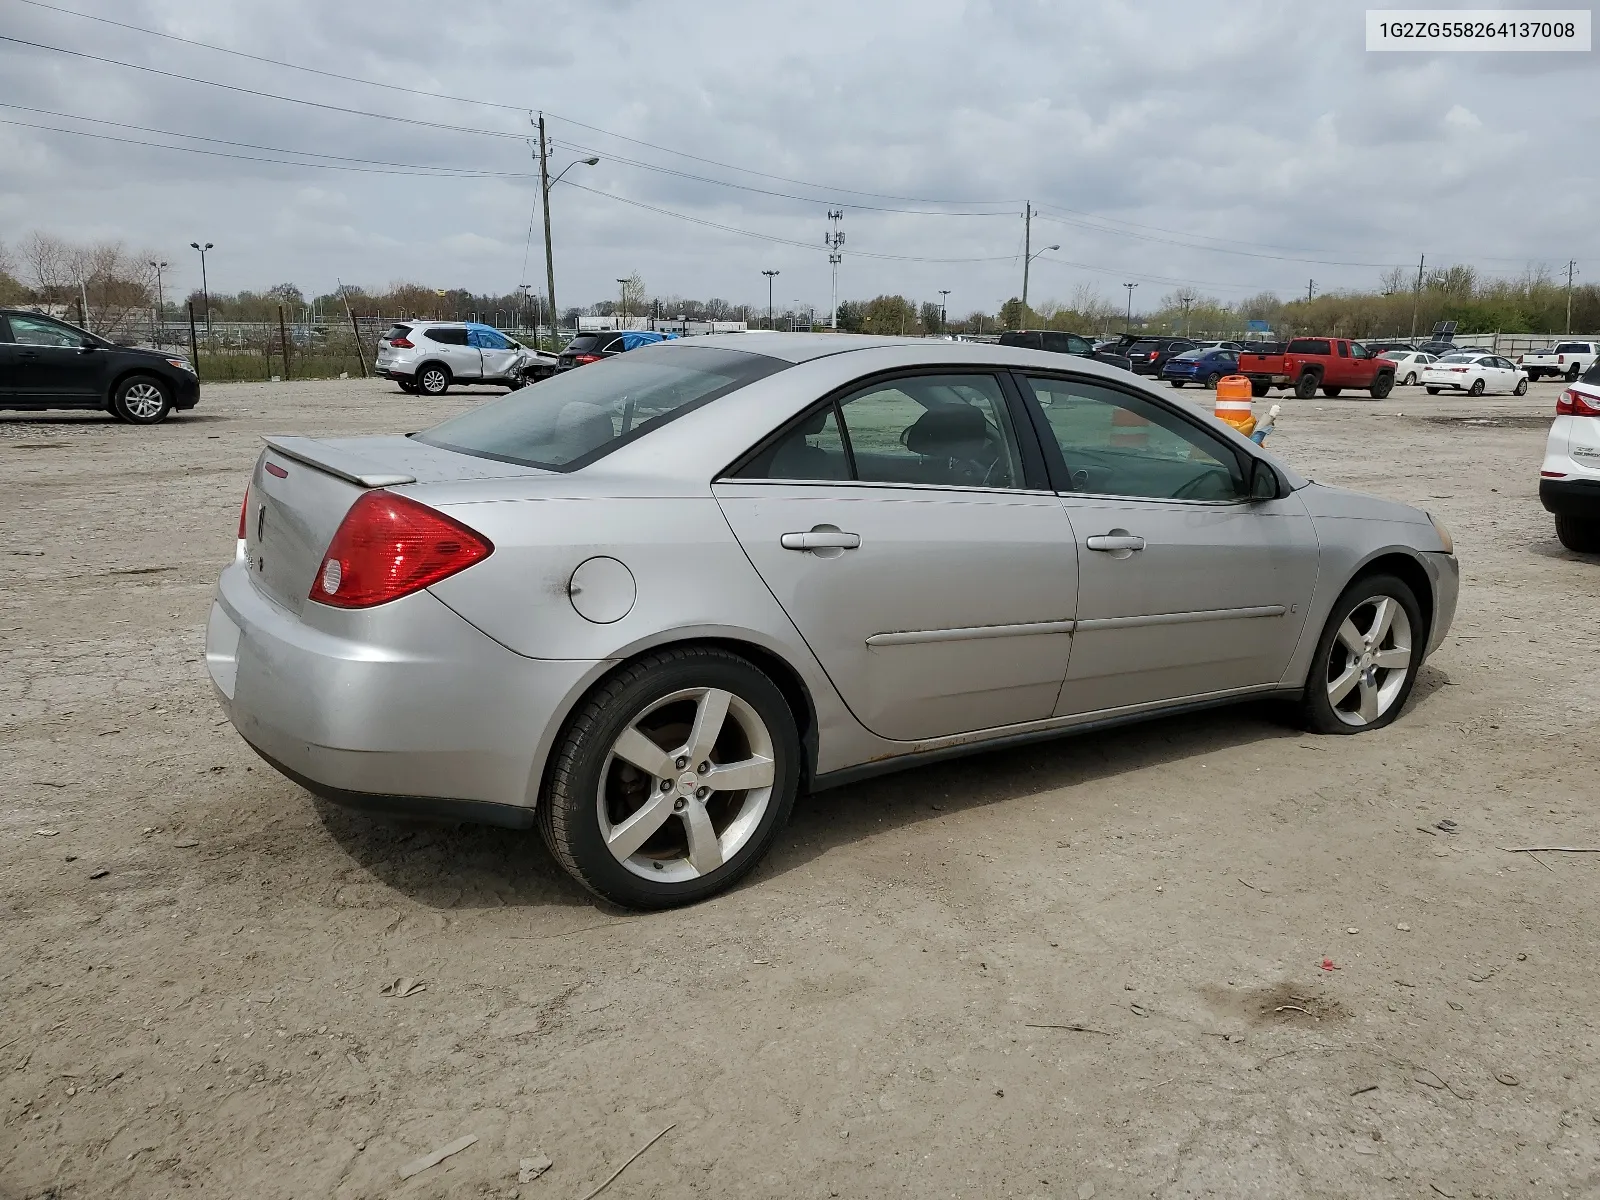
(1145, 237)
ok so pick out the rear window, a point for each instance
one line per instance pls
(586, 343)
(395, 332)
(1592, 375)
(579, 416)
(1144, 347)
(1460, 358)
(1573, 348)
(1309, 346)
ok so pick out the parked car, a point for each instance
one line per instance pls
(1150, 354)
(1569, 479)
(1475, 374)
(1057, 342)
(645, 604)
(1382, 349)
(1306, 364)
(46, 363)
(589, 348)
(1202, 366)
(429, 356)
(1439, 349)
(1234, 346)
(1408, 364)
(1567, 359)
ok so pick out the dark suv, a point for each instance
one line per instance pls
(1062, 343)
(46, 363)
(589, 347)
(1150, 354)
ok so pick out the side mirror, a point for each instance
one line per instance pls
(1263, 480)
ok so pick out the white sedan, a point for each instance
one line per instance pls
(1474, 374)
(1409, 365)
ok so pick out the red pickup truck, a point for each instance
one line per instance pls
(1306, 364)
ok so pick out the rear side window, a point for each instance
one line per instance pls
(395, 332)
(579, 416)
(1143, 347)
(1309, 346)
(447, 335)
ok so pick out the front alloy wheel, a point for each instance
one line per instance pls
(673, 779)
(141, 400)
(1366, 659)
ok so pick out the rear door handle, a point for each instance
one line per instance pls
(1112, 542)
(823, 537)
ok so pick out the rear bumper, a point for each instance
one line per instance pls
(1571, 497)
(403, 708)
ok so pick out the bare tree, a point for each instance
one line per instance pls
(633, 297)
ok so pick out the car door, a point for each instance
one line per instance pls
(450, 343)
(919, 553)
(1186, 587)
(1510, 374)
(51, 364)
(495, 352)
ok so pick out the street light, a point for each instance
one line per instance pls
(944, 296)
(1028, 262)
(1130, 287)
(205, 287)
(770, 276)
(161, 296)
(624, 284)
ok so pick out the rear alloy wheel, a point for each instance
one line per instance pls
(433, 380)
(1521, 389)
(141, 400)
(1579, 534)
(1306, 386)
(1381, 386)
(1476, 389)
(672, 780)
(1411, 379)
(1211, 380)
(1332, 393)
(1367, 658)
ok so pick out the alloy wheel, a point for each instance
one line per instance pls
(686, 784)
(143, 401)
(1369, 661)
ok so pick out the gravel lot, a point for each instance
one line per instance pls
(191, 948)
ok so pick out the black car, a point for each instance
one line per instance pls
(1150, 354)
(1062, 343)
(589, 347)
(46, 363)
(1377, 349)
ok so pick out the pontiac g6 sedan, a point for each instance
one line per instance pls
(646, 603)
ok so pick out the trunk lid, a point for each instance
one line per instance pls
(302, 487)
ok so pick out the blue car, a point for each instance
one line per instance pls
(1204, 366)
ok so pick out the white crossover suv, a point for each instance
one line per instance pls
(1569, 480)
(428, 356)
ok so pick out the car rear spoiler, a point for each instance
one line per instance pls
(337, 462)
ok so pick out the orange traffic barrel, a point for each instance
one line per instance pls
(1233, 403)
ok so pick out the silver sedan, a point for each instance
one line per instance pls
(643, 605)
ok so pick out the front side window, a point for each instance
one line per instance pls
(1357, 350)
(41, 331)
(1116, 444)
(578, 416)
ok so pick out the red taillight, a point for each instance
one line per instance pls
(585, 359)
(388, 546)
(244, 506)
(401, 344)
(1561, 358)
(1573, 403)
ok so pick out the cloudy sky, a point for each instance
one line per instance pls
(1232, 147)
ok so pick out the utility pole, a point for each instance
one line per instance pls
(770, 275)
(205, 286)
(161, 298)
(1130, 287)
(1311, 288)
(944, 296)
(1572, 269)
(1186, 301)
(1027, 253)
(549, 257)
(834, 241)
(1416, 299)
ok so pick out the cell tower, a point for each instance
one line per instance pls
(833, 239)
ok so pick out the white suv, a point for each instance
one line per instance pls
(1569, 481)
(428, 356)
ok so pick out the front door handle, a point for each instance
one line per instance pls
(821, 537)
(1117, 540)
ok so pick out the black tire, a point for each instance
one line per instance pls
(433, 379)
(409, 386)
(569, 815)
(1573, 372)
(1476, 389)
(1317, 712)
(141, 400)
(1332, 393)
(1306, 386)
(1381, 386)
(1177, 383)
(1211, 380)
(1578, 533)
(1411, 379)
(1521, 389)
(1259, 390)
(1433, 391)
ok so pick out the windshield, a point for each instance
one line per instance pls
(569, 421)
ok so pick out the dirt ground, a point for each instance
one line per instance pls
(192, 948)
